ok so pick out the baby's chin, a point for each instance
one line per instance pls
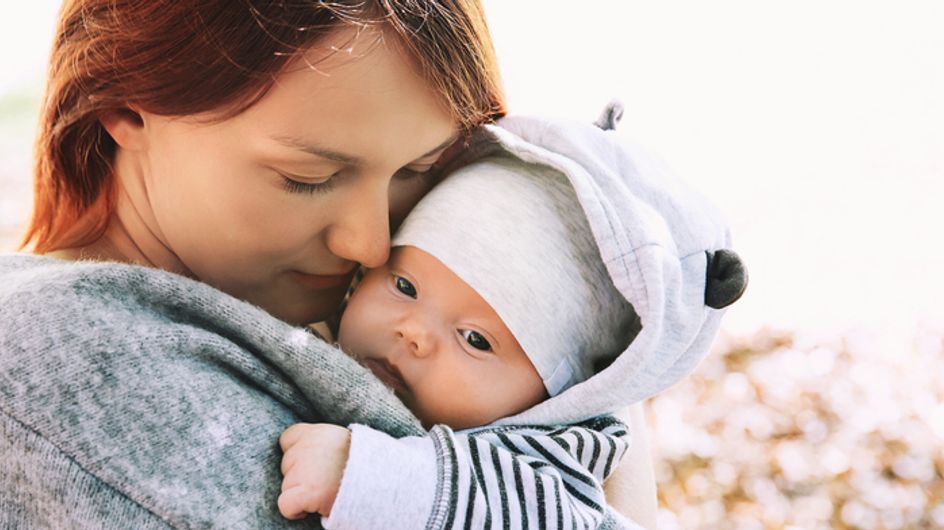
(455, 421)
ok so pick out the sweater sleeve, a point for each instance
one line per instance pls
(387, 483)
(494, 477)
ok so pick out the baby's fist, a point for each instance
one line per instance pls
(313, 460)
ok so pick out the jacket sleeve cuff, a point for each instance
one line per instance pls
(384, 476)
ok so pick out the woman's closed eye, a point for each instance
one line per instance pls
(296, 185)
(475, 339)
(404, 286)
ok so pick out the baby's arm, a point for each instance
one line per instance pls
(482, 477)
(385, 479)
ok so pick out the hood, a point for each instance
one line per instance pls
(666, 249)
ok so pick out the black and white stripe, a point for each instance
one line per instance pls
(525, 477)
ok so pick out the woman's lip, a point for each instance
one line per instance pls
(386, 373)
(317, 281)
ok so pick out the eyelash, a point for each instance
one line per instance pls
(294, 186)
(396, 285)
(465, 340)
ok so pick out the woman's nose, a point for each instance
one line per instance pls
(360, 231)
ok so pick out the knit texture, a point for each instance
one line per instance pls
(135, 398)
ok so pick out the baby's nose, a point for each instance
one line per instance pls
(417, 342)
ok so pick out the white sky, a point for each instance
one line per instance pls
(817, 126)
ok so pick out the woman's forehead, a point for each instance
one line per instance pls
(369, 103)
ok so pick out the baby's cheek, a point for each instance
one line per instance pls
(351, 334)
(470, 410)
(357, 313)
(435, 404)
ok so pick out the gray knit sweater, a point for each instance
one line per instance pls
(135, 398)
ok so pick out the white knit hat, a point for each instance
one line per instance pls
(516, 234)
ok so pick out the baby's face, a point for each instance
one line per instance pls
(442, 348)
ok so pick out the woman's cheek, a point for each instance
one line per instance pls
(257, 221)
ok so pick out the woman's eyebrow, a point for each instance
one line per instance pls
(301, 145)
(297, 143)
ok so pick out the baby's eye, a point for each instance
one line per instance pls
(475, 339)
(405, 287)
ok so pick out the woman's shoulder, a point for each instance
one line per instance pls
(28, 280)
(45, 281)
(39, 293)
(63, 321)
(11, 263)
(23, 271)
(29, 272)
(130, 375)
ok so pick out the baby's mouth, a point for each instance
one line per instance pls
(387, 373)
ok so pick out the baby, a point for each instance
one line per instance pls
(465, 337)
(495, 298)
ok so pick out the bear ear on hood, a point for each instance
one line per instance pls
(611, 116)
(726, 278)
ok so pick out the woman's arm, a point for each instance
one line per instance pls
(631, 489)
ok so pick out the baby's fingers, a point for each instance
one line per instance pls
(297, 502)
(293, 434)
(289, 459)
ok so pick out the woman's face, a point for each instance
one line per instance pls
(279, 204)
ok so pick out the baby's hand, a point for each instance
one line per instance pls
(313, 460)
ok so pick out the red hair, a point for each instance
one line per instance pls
(184, 57)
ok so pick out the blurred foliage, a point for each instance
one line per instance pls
(775, 430)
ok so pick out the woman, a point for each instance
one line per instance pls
(264, 149)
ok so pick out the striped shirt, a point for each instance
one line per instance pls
(521, 477)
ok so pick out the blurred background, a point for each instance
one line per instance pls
(818, 128)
